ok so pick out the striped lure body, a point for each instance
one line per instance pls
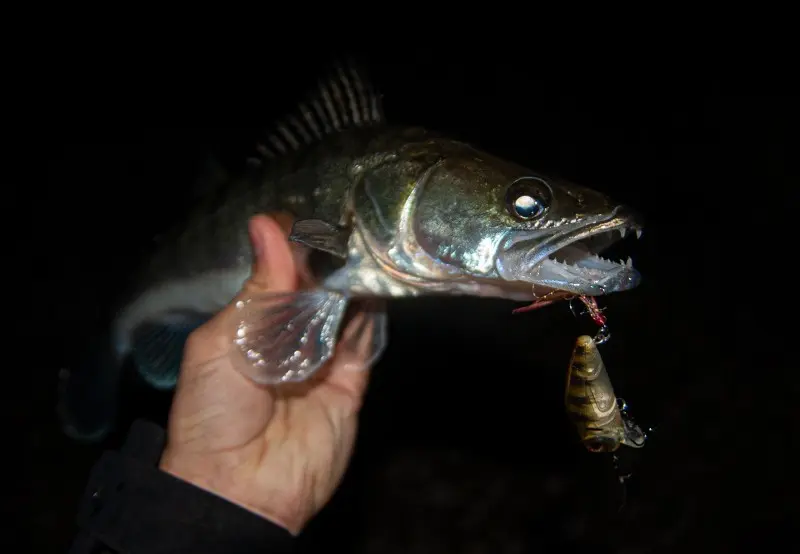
(599, 417)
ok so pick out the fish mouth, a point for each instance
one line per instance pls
(570, 261)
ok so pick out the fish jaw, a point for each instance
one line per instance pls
(570, 260)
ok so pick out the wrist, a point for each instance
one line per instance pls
(225, 477)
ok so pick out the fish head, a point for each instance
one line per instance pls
(511, 228)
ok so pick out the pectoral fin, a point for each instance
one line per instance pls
(288, 336)
(365, 339)
(321, 235)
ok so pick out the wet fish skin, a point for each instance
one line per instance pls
(461, 225)
(202, 263)
(414, 212)
(430, 215)
(209, 254)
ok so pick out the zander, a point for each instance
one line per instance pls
(400, 211)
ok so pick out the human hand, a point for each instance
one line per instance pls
(277, 451)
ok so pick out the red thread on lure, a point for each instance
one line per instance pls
(589, 301)
(594, 310)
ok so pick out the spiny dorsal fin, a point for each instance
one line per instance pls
(343, 99)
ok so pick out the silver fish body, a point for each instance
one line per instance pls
(402, 211)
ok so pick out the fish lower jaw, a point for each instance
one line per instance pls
(591, 275)
(579, 268)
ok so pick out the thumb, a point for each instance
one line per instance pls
(273, 262)
(273, 271)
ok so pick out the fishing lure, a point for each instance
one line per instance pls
(601, 419)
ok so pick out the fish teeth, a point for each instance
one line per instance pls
(629, 262)
(638, 233)
(623, 231)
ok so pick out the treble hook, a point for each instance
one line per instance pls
(602, 335)
(596, 313)
(572, 309)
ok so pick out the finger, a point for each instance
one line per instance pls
(357, 349)
(273, 261)
(273, 271)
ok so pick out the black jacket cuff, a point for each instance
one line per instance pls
(131, 506)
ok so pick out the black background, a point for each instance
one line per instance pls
(464, 444)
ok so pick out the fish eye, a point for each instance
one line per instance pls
(528, 198)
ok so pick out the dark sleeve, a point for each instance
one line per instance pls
(131, 507)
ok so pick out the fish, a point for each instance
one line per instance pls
(390, 210)
(600, 418)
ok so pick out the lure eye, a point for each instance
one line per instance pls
(595, 445)
(601, 444)
(528, 198)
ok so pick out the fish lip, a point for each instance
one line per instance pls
(530, 259)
